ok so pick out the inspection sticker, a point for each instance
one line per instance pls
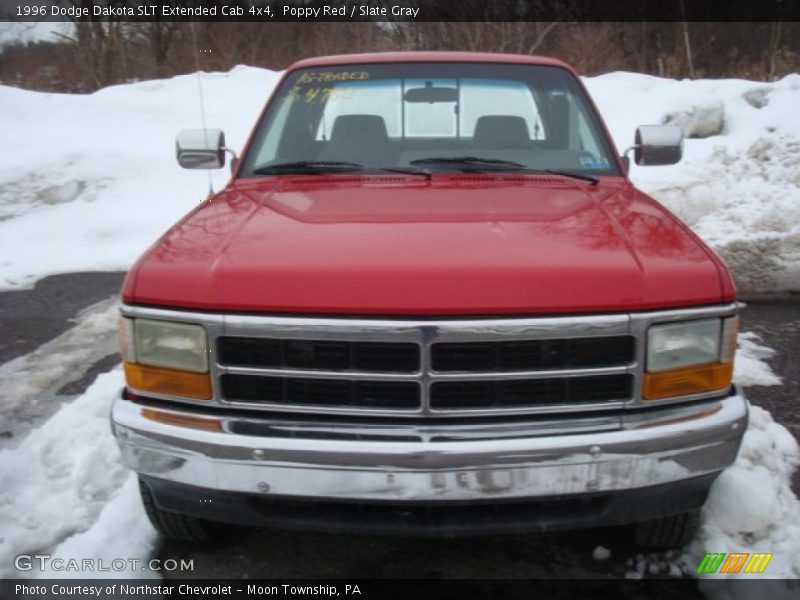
(593, 162)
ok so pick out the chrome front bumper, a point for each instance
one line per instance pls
(412, 463)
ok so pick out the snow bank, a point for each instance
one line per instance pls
(65, 491)
(750, 368)
(751, 507)
(92, 180)
(121, 532)
(738, 185)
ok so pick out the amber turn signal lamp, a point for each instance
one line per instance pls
(181, 420)
(710, 377)
(168, 381)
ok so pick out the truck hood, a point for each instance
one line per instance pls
(455, 245)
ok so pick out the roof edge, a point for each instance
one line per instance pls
(438, 56)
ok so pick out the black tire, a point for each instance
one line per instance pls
(666, 533)
(175, 526)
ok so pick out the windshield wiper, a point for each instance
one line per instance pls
(483, 164)
(326, 166)
(468, 161)
(307, 166)
(589, 178)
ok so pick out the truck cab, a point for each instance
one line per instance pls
(429, 301)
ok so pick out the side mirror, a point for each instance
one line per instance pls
(200, 148)
(658, 145)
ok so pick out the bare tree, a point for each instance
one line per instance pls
(99, 43)
(96, 53)
(773, 48)
(686, 41)
(159, 37)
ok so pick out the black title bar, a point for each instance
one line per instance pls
(397, 10)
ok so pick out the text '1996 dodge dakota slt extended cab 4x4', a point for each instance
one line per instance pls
(429, 301)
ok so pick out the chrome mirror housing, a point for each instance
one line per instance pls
(658, 145)
(200, 148)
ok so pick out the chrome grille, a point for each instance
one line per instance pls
(408, 368)
(412, 368)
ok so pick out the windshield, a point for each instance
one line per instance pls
(429, 117)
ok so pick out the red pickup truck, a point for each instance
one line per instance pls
(429, 301)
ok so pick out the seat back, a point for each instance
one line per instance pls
(360, 139)
(501, 131)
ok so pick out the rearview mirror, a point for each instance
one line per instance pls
(200, 148)
(658, 145)
(431, 94)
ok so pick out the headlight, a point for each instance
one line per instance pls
(173, 345)
(689, 358)
(165, 357)
(681, 344)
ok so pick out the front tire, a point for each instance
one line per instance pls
(674, 531)
(175, 526)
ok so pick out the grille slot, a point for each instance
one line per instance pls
(533, 354)
(319, 355)
(529, 392)
(321, 392)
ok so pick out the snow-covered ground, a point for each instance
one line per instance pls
(88, 182)
(33, 385)
(65, 491)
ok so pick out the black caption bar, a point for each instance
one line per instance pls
(255, 589)
(397, 10)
